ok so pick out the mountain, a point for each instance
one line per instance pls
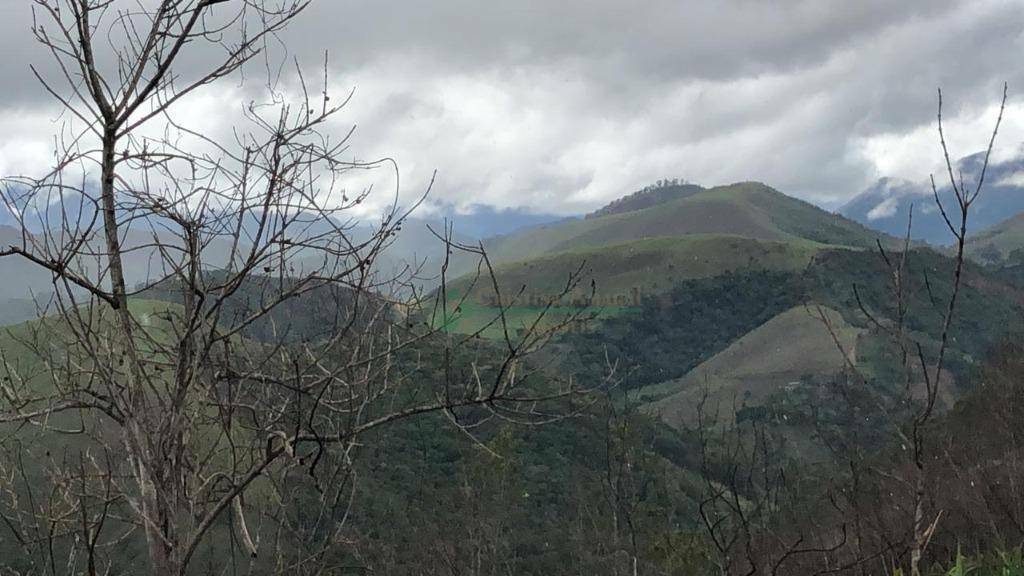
(747, 209)
(481, 221)
(28, 288)
(768, 359)
(885, 205)
(415, 252)
(627, 255)
(739, 279)
(752, 337)
(1002, 241)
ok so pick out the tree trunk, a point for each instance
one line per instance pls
(137, 438)
(920, 534)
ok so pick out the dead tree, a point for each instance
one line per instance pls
(203, 412)
(922, 372)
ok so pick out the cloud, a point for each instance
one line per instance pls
(915, 153)
(885, 209)
(563, 106)
(1015, 179)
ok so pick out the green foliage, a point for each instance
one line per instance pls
(988, 308)
(527, 500)
(621, 275)
(996, 240)
(996, 563)
(318, 312)
(959, 567)
(698, 318)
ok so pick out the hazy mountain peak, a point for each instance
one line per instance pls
(886, 204)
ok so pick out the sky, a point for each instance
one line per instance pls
(560, 106)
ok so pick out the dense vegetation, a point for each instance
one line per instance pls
(237, 377)
(797, 464)
(615, 486)
(431, 501)
(674, 333)
(541, 476)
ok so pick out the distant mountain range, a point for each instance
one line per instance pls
(886, 204)
(739, 290)
(680, 227)
(481, 221)
(415, 247)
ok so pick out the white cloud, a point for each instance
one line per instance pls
(914, 154)
(29, 140)
(561, 107)
(1015, 179)
(884, 209)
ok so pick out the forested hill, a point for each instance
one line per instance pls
(663, 191)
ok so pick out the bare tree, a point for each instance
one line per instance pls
(923, 371)
(217, 410)
(932, 374)
(627, 479)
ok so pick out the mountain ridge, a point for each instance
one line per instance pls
(749, 209)
(630, 255)
(645, 198)
(886, 204)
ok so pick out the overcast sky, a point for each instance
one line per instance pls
(561, 106)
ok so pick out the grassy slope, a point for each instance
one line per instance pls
(744, 225)
(1005, 236)
(473, 318)
(428, 454)
(650, 266)
(787, 347)
(746, 209)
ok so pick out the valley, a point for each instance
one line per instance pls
(325, 288)
(713, 313)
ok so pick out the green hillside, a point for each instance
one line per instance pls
(997, 241)
(777, 354)
(29, 349)
(743, 331)
(613, 279)
(747, 209)
(633, 249)
(17, 340)
(641, 267)
(748, 335)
